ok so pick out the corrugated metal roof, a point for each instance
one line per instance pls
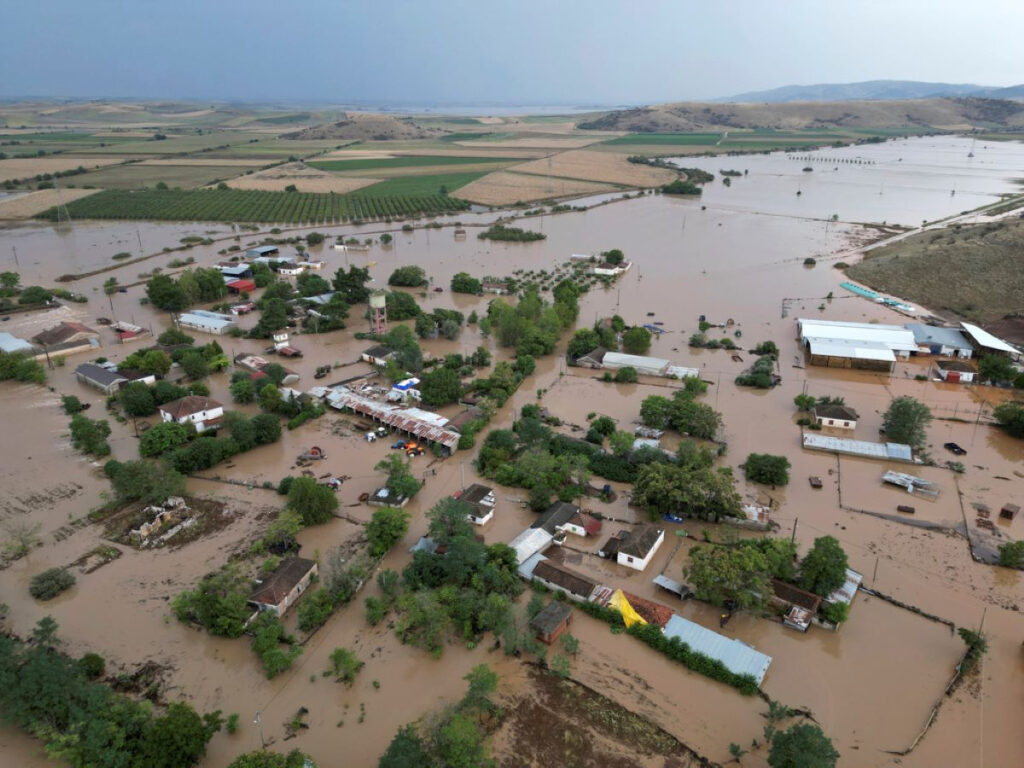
(894, 337)
(10, 343)
(931, 334)
(987, 340)
(525, 569)
(405, 419)
(848, 591)
(894, 451)
(736, 655)
(830, 348)
(530, 542)
(682, 373)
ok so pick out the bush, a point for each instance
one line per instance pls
(92, 665)
(1011, 555)
(409, 277)
(50, 583)
(625, 375)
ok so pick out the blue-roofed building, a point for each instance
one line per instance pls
(207, 322)
(941, 341)
(737, 656)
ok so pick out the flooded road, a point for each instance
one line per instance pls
(871, 685)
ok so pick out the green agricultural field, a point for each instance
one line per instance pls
(136, 175)
(30, 144)
(239, 205)
(639, 139)
(409, 161)
(179, 144)
(420, 185)
(276, 150)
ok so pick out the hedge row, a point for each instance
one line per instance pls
(675, 649)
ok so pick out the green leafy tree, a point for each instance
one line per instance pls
(448, 520)
(345, 665)
(406, 750)
(266, 759)
(266, 428)
(802, 746)
(440, 387)
(906, 421)
(218, 603)
(804, 402)
(136, 399)
(194, 364)
(243, 390)
(162, 438)
(1010, 417)
(177, 738)
(636, 341)
(721, 574)
(823, 570)
(408, 276)
(352, 284)
(996, 368)
(386, 528)
(90, 436)
(166, 294)
(315, 503)
(400, 481)
(34, 294)
(270, 398)
(174, 337)
(151, 482)
(21, 367)
(463, 282)
(767, 469)
(1011, 554)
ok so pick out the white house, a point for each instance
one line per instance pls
(837, 416)
(481, 500)
(639, 546)
(207, 322)
(611, 270)
(202, 412)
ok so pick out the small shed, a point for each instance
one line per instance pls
(241, 286)
(552, 622)
(955, 371)
(1009, 511)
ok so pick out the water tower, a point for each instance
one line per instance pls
(378, 313)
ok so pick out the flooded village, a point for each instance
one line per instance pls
(694, 383)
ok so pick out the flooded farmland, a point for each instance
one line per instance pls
(871, 685)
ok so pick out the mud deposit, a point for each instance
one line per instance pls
(871, 685)
(560, 722)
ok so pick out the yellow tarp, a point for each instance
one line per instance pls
(619, 602)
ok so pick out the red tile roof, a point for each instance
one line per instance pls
(651, 612)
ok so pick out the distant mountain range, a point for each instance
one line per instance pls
(871, 90)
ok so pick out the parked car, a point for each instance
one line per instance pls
(954, 448)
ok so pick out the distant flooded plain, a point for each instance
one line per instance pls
(871, 685)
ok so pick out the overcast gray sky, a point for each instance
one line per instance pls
(570, 52)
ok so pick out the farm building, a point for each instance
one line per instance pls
(601, 358)
(551, 622)
(955, 371)
(67, 339)
(639, 546)
(610, 270)
(560, 579)
(413, 421)
(848, 591)
(207, 322)
(936, 340)
(235, 271)
(263, 251)
(255, 365)
(838, 416)
(202, 412)
(238, 286)
(278, 592)
(737, 656)
(98, 377)
(985, 343)
(10, 344)
(867, 346)
(867, 449)
(481, 500)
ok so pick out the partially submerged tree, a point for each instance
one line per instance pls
(802, 746)
(823, 570)
(906, 421)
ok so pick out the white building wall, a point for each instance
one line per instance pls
(638, 564)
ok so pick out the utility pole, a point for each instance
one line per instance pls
(15, 250)
(462, 474)
(792, 539)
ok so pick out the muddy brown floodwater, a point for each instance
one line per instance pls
(871, 685)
